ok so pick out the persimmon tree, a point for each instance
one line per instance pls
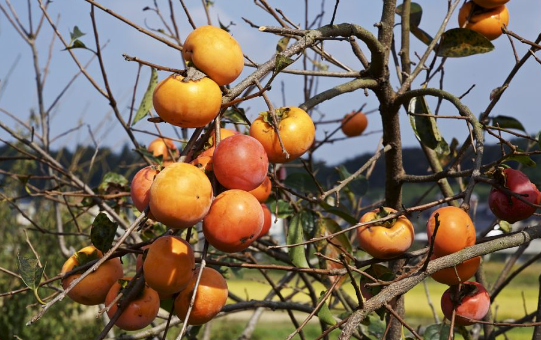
(362, 296)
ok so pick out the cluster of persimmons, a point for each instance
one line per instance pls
(224, 186)
(449, 230)
(182, 194)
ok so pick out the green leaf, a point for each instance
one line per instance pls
(376, 327)
(324, 313)
(359, 185)
(31, 273)
(507, 122)
(146, 103)
(522, 159)
(301, 181)
(282, 62)
(437, 332)
(416, 12)
(539, 140)
(332, 227)
(113, 181)
(282, 44)
(236, 115)
(425, 128)
(76, 44)
(421, 35)
(339, 212)
(284, 208)
(295, 235)
(463, 42)
(76, 34)
(103, 232)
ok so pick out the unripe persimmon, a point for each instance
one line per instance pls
(188, 104)
(210, 298)
(215, 52)
(93, 289)
(180, 195)
(169, 265)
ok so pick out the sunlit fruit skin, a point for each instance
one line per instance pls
(209, 301)
(508, 207)
(354, 124)
(93, 289)
(488, 22)
(180, 195)
(189, 104)
(385, 242)
(224, 133)
(163, 147)
(465, 270)
(490, 3)
(139, 313)
(215, 52)
(140, 187)
(474, 306)
(240, 162)
(456, 230)
(234, 221)
(263, 191)
(296, 129)
(169, 265)
(267, 221)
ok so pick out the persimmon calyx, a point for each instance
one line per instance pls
(280, 114)
(383, 213)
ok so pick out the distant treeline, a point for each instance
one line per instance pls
(127, 162)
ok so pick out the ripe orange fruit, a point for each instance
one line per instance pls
(296, 128)
(490, 3)
(465, 271)
(139, 313)
(456, 230)
(163, 147)
(267, 221)
(354, 124)
(140, 187)
(189, 104)
(215, 52)
(388, 239)
(210, 299)
(234, 221)
(488, 22)
(169, 265)
(240, 162)
(263, 191)
(224, 133)
(180, 195)
(93, 289)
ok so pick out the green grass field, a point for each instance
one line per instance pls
(514, 302)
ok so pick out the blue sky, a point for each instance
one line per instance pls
(83, 105)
